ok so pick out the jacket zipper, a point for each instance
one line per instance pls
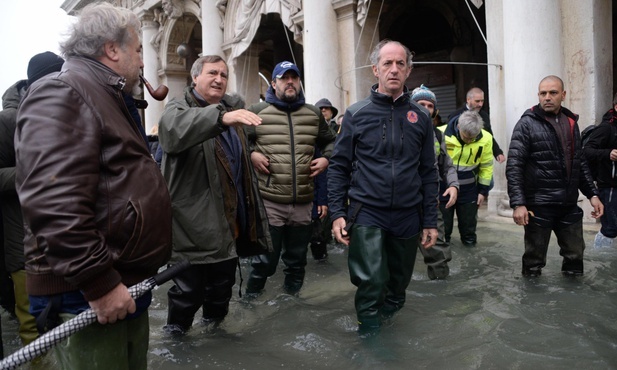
(293, 158)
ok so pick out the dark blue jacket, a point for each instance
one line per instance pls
(385, 158)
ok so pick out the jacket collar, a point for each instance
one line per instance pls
(539, 113)
(376, 96)
(98, 70)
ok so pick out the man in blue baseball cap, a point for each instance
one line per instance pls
(283, 157)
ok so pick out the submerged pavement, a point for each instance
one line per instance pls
(484, 316)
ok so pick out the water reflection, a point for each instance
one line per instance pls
(485, 316)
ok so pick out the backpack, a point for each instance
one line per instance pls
(586, 134)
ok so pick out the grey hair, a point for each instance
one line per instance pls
(98, 24)
(198, 65)
(376, 53)
(470, 123)
(473, 91)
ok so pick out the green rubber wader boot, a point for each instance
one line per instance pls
(368, 270)
(401, 254)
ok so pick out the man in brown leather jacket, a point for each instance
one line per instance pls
(96, 209)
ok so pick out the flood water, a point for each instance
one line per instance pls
(484, 316)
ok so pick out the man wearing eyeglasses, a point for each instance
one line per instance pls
(471, 150)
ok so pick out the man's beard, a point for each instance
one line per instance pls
(289, 97)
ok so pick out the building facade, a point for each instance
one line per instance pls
(504, 47)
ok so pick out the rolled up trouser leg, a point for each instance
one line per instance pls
(467, 215)
(401, 256)
(368, 270)
(296, 240)
(264, 266)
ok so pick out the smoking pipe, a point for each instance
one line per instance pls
(159, 94)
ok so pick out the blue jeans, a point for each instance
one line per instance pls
(608, 196)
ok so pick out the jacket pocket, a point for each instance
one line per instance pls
(125, 234)
(197, 225)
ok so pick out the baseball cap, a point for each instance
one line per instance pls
(282, 67)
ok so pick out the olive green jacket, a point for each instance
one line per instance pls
(288, 140)
(192, 168)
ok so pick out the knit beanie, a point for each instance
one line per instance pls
(43, 64)
(423, 93)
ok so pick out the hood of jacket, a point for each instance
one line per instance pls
(12, 96)
(610, 116)
(274, 100)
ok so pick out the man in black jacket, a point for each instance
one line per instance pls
(545, 170)
(384, 164)
(601, 152)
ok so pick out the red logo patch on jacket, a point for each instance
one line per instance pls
(412, 116)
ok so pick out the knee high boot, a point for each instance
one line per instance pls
(296, 241)
(571, 247)
(536, 246)
(220, 279)
(401, 254)
(264, 266)
(437, 257)
(467, 214)
(448, 220)
(185, 297)
(368, 271)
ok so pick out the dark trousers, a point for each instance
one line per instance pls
(380, 266)
(467, 215)
(608, 196)
(437, 257)
(207, 286)
(567, 224)
(290, 243)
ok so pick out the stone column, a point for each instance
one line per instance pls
(532, 52)
(211, 31)
(526, 54)
(498, 200)
(589, 60)
(321, 52)
(588, 57)
(155, 108)
(355, 48)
